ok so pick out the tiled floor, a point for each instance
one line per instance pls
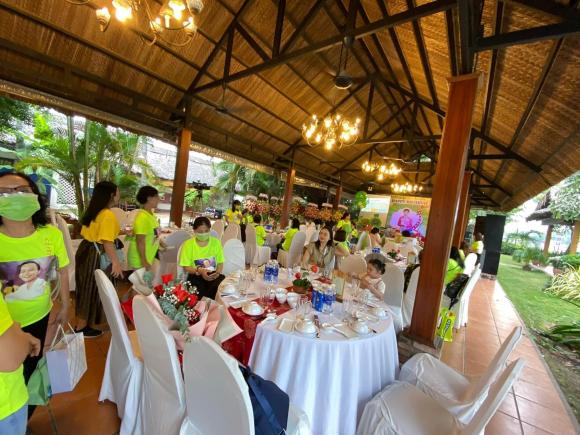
(533, 407)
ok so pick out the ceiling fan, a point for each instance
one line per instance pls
(342, 79)
(226, 110)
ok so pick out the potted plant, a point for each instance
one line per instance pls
(301, 284)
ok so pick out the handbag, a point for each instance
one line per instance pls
(269, 403)
(104, 260)
(39, 390)
(66, 360)
(454, 289)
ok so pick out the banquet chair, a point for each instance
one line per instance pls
(213, 381)
(469, 263)
(462, 313)
(394, 280)
(353, 263)
(363, 241)
(401, 408)
(461, 396)
(168, 259)
(123, 369)
(231, 232)
(389, 246)
(121, 216)
(234, 256)
(293, 257)
(302, 227)
(63, 227)
(409, 297)
(218, 227)
(255, 255)
(162, 403)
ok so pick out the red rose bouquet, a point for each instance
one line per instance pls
(178, 301)
(275, 211)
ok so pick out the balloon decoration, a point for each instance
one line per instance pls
(360, 199)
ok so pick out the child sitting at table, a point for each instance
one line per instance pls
(372, 280)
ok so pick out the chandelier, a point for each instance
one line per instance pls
(334, 130)
(175, 16)
(383, 170)
(406, 188)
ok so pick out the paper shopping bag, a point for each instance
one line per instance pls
(445, 325)
(38, 386)
(66, 359)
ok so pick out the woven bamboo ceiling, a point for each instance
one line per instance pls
(257, 69)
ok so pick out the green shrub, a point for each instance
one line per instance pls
(518, 255)
(508, 248)
(565, 334)
(566, 285)
(560, 262)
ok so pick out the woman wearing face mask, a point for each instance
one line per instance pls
(30, 248)
(234, 214)
(202, 258)
(100, 231)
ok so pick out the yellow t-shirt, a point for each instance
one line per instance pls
(288, 238)
(477, 247)
(208, 257)
(233, 216)
(13, 392)
(260, 235)
(27, 265)
(105, 228)
(146, 224)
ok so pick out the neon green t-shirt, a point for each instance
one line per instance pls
(209, 256)
(461, 254)
(453, 271)
(27, 265)
(260, 235)
(346, 226)
(477, 246)
(288, 238)
(13, 392)
(248, 219)
(146, 224)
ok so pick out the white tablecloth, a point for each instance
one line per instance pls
(330, 378)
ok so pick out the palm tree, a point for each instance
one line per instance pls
(228, 176)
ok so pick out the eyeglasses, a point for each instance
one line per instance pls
(17, 189)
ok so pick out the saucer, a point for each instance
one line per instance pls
(257, 313)
(228, 290)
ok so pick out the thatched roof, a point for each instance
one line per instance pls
(526, 131)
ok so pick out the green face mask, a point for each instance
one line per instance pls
(19, 206)
(202, 237)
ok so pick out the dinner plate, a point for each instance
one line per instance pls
(253, 314)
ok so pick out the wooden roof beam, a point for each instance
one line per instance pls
(469, 30)
(299, 31)
(451, 46)
(549, 7)
(359, 32)
(279, 28)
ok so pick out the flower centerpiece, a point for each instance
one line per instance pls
(337, 215)
(178, 301)
(393, 254)
(296, 209)
(301, 284)
(325, 214)
(275, 211)
(250, 203)
(262, 208)
(311, 211)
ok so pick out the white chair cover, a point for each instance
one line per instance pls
(460, 396)
(162, 405)
(218, 227)
(123, 369)
(463, 307)
(255, 255)
(231, 232)
(402, 408)
(353, 263)
(214, 233)
(294, 256)
(302, 227)
(121, 216)
(409, 297)
(314, 237)
(394, 280)
(63, 227)
(234, 255)
(168, 258)
(363, 241)
(469, 263)
(310, 230)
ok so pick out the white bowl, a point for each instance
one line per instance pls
(229, 289)
(252, 308)
(292, 299)
(281, 297)
(360, 327)
(379, 312)
(306, 326)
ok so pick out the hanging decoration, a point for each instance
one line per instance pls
(332, 131)
(406, 188)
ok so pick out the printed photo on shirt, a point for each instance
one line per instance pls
(27, 279)
(207, 263)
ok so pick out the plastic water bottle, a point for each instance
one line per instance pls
(268, 272)
(275, 271)
(329, 296)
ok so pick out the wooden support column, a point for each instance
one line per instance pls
(287, 197)
(337, 196)
(574, 240)
(180, 177)
(445, 197)
(462, 210)
(548, 240)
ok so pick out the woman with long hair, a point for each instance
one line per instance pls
(32, 254)
(323, 252)
(234, 214)
(100, 230)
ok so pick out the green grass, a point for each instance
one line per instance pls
(539, 310)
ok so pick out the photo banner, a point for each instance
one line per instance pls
(376, 210)
(409, 213)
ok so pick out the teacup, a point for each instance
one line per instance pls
(281, 295)
(229, 289)
(379, 312)
(306, 326)
(252, 308)
(360, 327)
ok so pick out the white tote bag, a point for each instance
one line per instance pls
(66, 360)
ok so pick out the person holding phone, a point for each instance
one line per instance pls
(202, 257)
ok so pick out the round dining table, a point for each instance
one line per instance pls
(329, 377)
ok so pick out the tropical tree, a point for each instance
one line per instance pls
(13, 112)
(566, 204)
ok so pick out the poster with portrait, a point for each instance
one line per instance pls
(27, 279)
(409, 213)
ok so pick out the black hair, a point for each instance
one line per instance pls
(102, 194)
(330, 239)
(345, 215)
(454, 254)
(28, 262)
(340, 235)
(464, 246)
(375, 230)
(145, 193)
(245, 211)
(478, 236)
(39, 219)
(295, 223)
(236, 202)
(378, 264)
(318, 221)
(201, 220)
(257, 218)
(406, 233)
